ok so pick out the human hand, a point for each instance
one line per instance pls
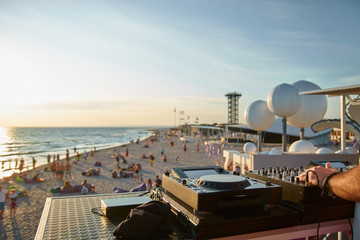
(321, 173)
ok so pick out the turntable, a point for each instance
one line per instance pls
(223, 182)
(211, 188)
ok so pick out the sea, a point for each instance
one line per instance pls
(38, 142)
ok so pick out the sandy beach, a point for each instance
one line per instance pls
(29, 209)
(28, 213)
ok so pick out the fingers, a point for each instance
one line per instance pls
(302, 177)
(328, 165)
(309, 175)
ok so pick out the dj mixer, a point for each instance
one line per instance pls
(306, 198)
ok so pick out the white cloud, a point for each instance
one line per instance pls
(352, 79)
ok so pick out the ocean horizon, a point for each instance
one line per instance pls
(38, 142)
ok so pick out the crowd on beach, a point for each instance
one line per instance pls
(58, 171)
(142, 164)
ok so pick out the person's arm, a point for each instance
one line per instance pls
(345, 185)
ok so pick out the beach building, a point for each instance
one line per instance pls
(243, 133)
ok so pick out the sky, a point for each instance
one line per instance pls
(132, 63)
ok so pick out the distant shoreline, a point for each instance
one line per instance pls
(39, 164)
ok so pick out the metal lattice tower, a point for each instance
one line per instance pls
(233, 107)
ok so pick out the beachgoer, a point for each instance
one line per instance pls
(90, 172)
(91, 153)
(16, 163)
(126, 152)
(78, 156)
(37, 178)
(59, 171)
(33, 162)
(162, 152)
(3, 198)
(151, 159)
(74, 149)
(84, 189)
(164, 158)
(53, 169)
(48, 159)
(158, 183)
(62, 171)
(90, 187)
(177, 159)
(123, 158)
(21, 166)
(237, 170)
(136, 175)
(67, 155)
(58, 157)
(117, 157)
(119, 172)
(67, 188)
(68, 170)
(85, 155)
(197, 147)
(148, 185)
(2, 164)
(185, 148)
(114, 174)
(12, 197)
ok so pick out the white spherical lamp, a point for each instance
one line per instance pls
(313, 107)
(284, 100)
(324, 151)
(350, 150)
(258, 116)
(275, 151)
(249, 148)
(302, 146)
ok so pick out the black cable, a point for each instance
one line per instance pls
(97, 210)
(317, 180)
(352, 233)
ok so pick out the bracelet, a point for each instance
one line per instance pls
(326, 185)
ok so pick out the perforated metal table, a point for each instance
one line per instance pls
(70, 217)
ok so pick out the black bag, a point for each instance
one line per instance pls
(147, 221)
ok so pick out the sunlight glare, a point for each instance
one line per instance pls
(4, 138)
